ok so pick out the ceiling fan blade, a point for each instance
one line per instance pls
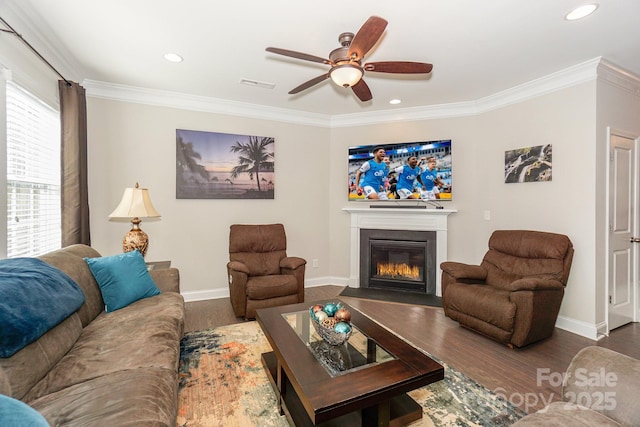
(362, 91)
(308, 84)
(366, 37)
(398, 67)
(298, 55)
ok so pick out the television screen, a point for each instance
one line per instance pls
(405, 171)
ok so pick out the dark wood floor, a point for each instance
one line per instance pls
(518, 374)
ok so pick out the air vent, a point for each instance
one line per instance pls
(256, 83)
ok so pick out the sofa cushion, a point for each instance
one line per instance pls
(564, 414)
(70, 260)
(16, 413)
(136, 398)
(28, 366)
(34, 297)
(607, 381)
(144, 334)
(122, 278)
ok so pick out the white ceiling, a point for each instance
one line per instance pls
(478, 48)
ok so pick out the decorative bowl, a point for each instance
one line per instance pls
(326, 327)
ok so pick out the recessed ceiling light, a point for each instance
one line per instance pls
(173, 57)
(581, 11)
(395, 101)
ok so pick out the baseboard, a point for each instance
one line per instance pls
(578, 327)
(190, 296)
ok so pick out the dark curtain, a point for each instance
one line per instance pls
(74, 189)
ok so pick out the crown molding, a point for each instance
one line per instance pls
(596, 68)
(562, 79)
(37, 32)
(619, 77)
(163, 98)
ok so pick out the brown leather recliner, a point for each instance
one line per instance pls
(514, 295)
(260, 273)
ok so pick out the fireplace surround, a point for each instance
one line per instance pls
(397, 219)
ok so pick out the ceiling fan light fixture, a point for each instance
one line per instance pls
(346, 75)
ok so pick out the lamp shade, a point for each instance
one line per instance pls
(135, 203)
(346, 75)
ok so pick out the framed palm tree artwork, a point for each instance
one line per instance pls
(212, 165)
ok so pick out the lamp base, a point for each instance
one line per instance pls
(135, 239)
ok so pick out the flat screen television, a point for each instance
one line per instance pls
(397, 155)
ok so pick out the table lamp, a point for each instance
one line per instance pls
(135, 204)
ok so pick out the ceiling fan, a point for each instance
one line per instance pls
(346, 61)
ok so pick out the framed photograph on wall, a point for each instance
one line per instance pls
(529, 164)
(212, 165)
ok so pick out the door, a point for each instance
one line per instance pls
(622, 226)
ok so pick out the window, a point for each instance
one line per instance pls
(33, 175)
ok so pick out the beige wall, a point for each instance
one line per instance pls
(566, 205)
(618, 108)
(133, 142)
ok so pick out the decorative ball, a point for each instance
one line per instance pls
(316, 308)
(330, 309)
(343, 315)
(321, 315)
(342, 328)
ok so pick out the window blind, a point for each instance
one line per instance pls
(33, 175)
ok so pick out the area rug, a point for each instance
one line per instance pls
(392, 296)
(223, 383)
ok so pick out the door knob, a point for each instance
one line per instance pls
(634, 240)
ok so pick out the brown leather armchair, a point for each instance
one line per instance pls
(514, 295)
(259, 271)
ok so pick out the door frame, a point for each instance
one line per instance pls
(636, 224)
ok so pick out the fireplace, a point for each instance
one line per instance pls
(398, 260)
(414, 220)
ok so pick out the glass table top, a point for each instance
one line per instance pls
(358, 352)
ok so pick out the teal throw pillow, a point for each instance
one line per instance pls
(16, 413)
(123, 279)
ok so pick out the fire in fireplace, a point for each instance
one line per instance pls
(403, 271)
(398, 260)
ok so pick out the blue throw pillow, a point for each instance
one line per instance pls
(16, 413)
(123, 279)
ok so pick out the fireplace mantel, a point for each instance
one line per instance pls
(397, 219)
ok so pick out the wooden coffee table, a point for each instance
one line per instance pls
(363, 382)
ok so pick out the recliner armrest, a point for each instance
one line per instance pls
(535, 284)
(238, 266)
(458, 270)
(292, 262)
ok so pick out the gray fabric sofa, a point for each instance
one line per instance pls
(601, 388)
(98, 368)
